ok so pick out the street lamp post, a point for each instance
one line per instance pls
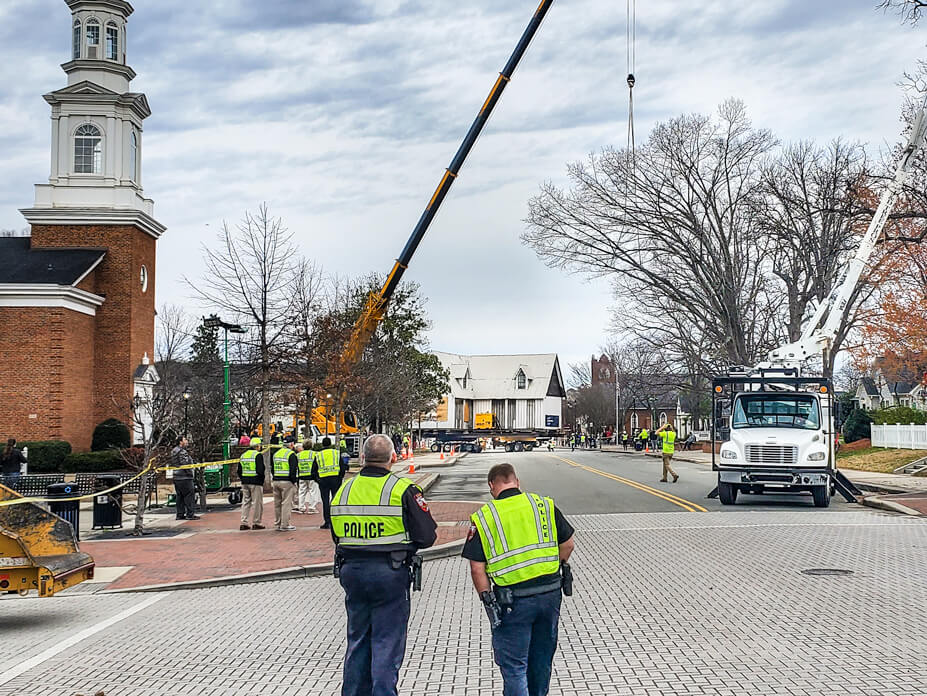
(214, 322)
(186, 403)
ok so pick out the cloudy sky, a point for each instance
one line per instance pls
(342, 114)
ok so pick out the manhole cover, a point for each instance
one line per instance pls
(826, 571)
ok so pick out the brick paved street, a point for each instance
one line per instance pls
(682, 604)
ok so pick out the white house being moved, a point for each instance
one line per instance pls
(522, 392)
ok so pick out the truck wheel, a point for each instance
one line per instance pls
(727, 493)
(435, 447)
(529, 448)
(519, 447)
(508, 447)
(821, 495)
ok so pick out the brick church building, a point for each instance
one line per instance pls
(77, 297)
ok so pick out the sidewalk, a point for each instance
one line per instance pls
(212, 550)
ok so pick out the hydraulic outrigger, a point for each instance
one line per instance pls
(377, 302)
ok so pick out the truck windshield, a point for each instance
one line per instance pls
(776, 411)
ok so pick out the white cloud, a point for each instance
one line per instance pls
(343, 115)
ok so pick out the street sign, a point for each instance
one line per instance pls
(551, 421)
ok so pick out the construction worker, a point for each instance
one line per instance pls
(379, 521)
(516, 545)
(308, 489)
(668, 436)
(286, 474)
(644, 436)
(251, 474)
(328, 470)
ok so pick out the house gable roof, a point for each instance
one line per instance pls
(22, 264)
(495, 376)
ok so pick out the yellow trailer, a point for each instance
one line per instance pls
(38, 550)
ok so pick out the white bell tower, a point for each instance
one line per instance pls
(96, 148)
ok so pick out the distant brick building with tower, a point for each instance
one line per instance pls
(77, 298)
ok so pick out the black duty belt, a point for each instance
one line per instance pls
(532, 591)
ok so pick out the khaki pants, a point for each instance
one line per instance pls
(667, 469)
(283, 502)
(252, 496)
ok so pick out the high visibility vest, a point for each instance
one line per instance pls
(249, 463)
(282, 462)
(519, 538)
(304, 459)
(669, 441)
(644, 435)
(367, 511)
(329, 462)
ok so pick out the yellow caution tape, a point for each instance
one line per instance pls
(150, 467)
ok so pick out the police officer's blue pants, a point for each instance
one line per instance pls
(525, 643)
(377, 602)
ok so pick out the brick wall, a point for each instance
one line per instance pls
(46, 375)
(124, 326)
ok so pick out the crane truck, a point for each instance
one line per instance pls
(777, 425)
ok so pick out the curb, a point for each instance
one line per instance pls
(451, 548)
(889, 506)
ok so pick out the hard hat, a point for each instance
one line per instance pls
(255, 441)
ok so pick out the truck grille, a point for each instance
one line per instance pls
(772, 454)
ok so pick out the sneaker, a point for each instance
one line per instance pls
(675, 478)
(312, 511)
(663, 481)
(298, 512)
(325, 526)
(288, 528)
(243, 527)
(258, 526)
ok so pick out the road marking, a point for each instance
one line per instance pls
(687, 505)
(676, 528)
(26, 665)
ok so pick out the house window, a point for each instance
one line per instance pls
(88, 150)
(635, 423)
(133, 158)
(112, 41)
(93, 38)
(663, 418)
(521, 381)
(75, 47)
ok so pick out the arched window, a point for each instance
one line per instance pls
(75, 48)
(634, 421)
(133, 156)
(93, 39)
(663, 418)
(88, 150)
(521, 382)
(112, 41)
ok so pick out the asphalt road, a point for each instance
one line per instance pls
(593, 482)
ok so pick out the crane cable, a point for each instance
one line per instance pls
(632, 60)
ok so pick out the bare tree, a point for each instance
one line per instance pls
(910, 11)
(250, 275)
(675, 228)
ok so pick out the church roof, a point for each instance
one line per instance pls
(22, 264)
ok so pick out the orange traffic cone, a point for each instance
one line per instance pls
(411, 466)
(441, 458)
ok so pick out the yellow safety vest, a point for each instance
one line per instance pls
(304, 459)
(282, 462)
(329, 462)
(669, 441)
(519, 537)
(367, 511)
(249, 463)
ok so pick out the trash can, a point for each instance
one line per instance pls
(68, 510)
(107, 507)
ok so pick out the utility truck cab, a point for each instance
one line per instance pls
(780, 436)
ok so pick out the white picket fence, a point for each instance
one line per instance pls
(900, 436)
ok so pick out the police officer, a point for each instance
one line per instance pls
(251, 474)
(286, 474)
(379, 521)
(328, 470)
(515, 546)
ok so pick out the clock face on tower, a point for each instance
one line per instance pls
(143, 278)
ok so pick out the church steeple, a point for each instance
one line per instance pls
(96, 148)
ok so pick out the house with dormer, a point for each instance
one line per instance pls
(522, 392)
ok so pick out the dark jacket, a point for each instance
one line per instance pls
(180, 457)
(11, 463)
(254, 480)
(294, 469)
